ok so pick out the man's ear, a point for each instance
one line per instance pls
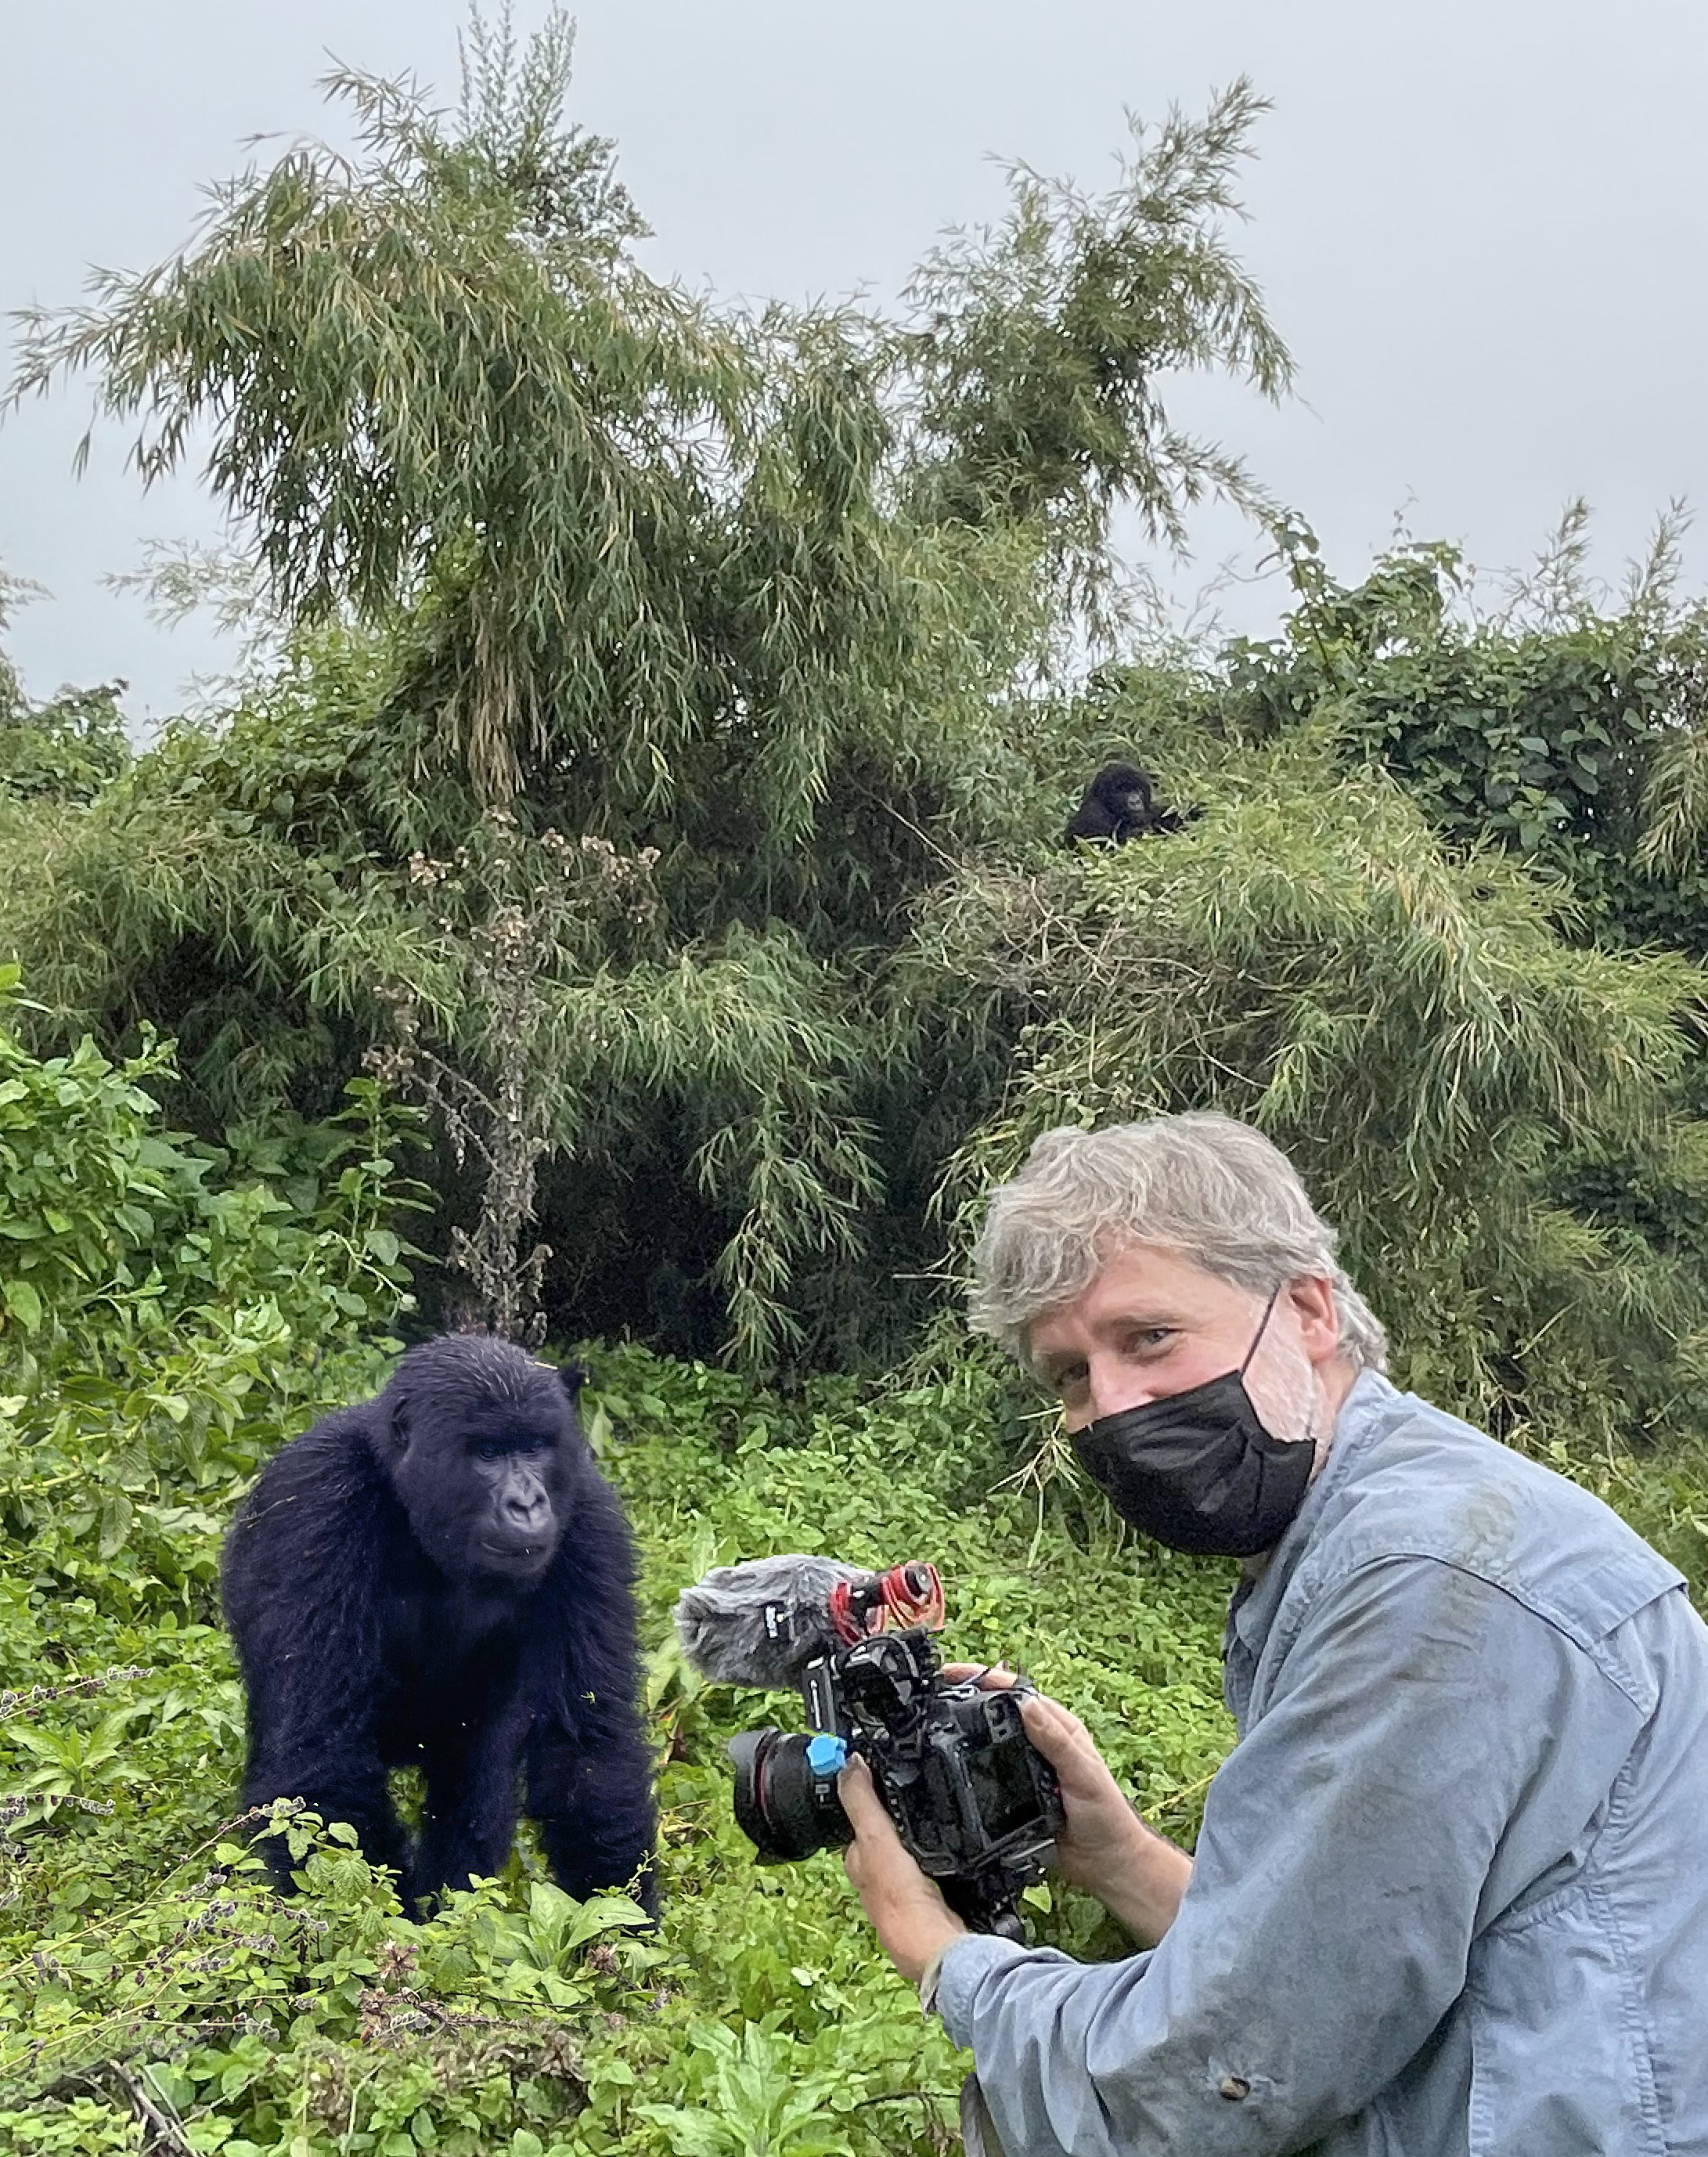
(1312, 1296)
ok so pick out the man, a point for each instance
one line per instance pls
(1451, 1893)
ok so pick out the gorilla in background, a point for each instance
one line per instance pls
(441, 1578)
(1119, 805)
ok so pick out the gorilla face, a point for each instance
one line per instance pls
(486, 1474)
(1120, 804)
(516, 1514)
(1125, 790)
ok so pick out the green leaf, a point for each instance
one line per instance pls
(693, 2134)
(23, 1303)
(116, 1514)
(175, 2087)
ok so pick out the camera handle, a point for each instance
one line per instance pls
(986, 1902)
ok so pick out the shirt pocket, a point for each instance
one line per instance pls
(1561, 2062)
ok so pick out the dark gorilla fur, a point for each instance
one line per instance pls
(441, 1578)
(1120, 804)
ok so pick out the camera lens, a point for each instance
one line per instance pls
(782, 1805)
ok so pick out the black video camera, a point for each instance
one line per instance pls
(974, 1802)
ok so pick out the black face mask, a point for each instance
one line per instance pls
(1197, 1470)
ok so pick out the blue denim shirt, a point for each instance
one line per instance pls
(1451, 1895)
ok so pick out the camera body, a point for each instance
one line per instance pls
(975, 1803)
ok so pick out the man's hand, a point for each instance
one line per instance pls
(908, 1911)
(1136, 1874)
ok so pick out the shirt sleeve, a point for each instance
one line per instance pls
(1433, 1749)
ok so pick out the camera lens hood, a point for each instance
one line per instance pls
(784, 1806)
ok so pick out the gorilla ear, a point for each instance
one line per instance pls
(573, 1376)
(398, 1426)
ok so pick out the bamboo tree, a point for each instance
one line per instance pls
(760, 590)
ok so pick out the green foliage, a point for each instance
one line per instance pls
(764, 2101)
(653, 544)
(1447, 1070)
(769, 1121)
(1565, 729)
(619, 520)
(1039, 344)
(750, 595)
(67, 749)
(143, 1297)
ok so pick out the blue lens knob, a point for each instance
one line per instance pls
(826, 1755)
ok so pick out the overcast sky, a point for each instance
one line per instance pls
(1480, 225)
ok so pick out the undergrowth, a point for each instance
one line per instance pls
(171, 1314)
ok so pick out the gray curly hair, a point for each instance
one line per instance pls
(1202, 1185)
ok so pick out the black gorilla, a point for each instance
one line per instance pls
(442, 1577)
(1120, 804)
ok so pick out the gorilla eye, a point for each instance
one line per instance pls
(490, 1448)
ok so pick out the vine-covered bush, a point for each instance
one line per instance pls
(147, 1285)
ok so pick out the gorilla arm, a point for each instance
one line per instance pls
(589, 1778)
(303, 1577)
(469, 1820)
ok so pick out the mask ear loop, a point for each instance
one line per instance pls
(1263, 1325)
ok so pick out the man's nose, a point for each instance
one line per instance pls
(1112, 1387)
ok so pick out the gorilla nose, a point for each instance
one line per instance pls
(527, 1513)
